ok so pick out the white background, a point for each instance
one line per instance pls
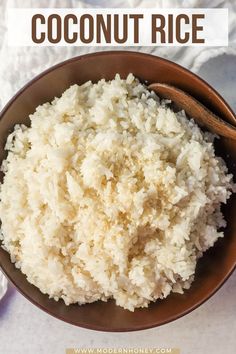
(211, 329)
(19, 26)
(24, 329)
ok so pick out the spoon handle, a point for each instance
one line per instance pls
(194, 109)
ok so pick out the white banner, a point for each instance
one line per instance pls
(117, 27)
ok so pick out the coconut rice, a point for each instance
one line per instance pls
(110, 194)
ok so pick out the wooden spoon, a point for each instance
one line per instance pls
(194, 109)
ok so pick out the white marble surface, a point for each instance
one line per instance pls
(24, 329)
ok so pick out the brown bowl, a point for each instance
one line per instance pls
(215, 266)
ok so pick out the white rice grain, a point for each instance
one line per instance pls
(110, 194)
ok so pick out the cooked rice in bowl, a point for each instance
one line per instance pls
(110, 194)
